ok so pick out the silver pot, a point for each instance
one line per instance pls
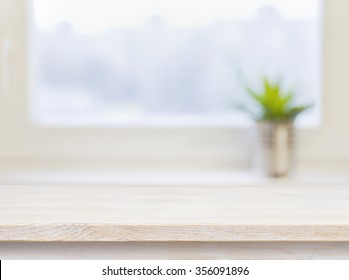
(275, 148)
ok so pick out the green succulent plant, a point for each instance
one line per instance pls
(273, 104)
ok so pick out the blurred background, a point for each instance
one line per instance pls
(116, 87)
(185, 61)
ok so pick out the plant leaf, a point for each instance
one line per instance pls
(273, 102)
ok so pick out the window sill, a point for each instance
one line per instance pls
(78, 173)
(161, 121)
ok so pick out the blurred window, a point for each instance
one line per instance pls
(100, 62)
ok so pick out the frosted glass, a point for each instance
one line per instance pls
(98, 61)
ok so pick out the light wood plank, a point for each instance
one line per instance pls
(174, 213)
(175, 251)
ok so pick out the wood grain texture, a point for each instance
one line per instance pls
(175, 251)
(174, 213)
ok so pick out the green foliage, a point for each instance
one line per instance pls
(273, 103)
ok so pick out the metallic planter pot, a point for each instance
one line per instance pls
(275, 148)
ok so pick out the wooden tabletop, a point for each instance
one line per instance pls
(174, 213)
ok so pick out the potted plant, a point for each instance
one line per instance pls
(274, 111)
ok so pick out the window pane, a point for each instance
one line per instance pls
(99, 61)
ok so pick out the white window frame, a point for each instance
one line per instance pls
(180, 146)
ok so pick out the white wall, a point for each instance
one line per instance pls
(214, 146)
